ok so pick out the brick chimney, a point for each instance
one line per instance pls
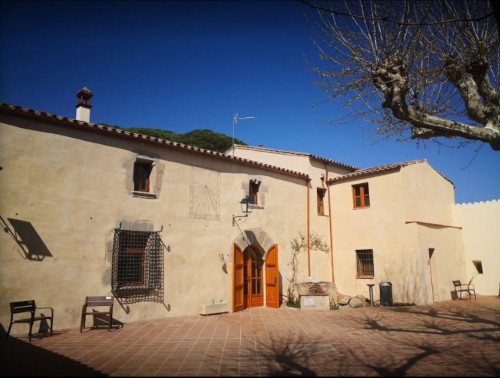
(83, 104)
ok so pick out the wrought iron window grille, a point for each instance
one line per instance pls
(364, 262)
(137, 261)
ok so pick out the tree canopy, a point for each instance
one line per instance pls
(418, 69)
(202, 138)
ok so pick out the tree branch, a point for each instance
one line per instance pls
(467, 88)
(390, 77)
(401, 23)
(425, 126)
(433, 64)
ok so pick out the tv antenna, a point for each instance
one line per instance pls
(237, 118)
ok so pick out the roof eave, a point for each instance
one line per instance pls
(141, 138)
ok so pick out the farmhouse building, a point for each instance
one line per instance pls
(171, 229)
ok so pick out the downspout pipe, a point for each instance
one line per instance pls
(308, 226)
(330, 231)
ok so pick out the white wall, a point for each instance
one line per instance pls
(480, 223)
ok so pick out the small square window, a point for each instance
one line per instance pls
(360, 196)
(364, 263)
(320, 197)
(478, 265)
(131, 267)
(142, 173)
(253, 191)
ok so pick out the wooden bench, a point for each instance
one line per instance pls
(467, 288)
(101, 302)
(24, 307)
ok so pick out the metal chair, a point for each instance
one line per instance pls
(24, 307)
(89, 309)
(468, 288)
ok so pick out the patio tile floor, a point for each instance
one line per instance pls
(453, 338)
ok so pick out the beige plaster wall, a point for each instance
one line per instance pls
(289, 160)
(428, 197)
(71, 188)
(400, 248)
(317, 265)
(480, 228)
(298, 163)
(379, 227)
(445, 264)
(319, 226)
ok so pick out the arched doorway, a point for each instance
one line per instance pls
(249, 268)
(249, 282)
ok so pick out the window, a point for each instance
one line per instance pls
(361, 196)
(364, 263)
(253, 191)
(142, 173)
(137, 260)
(478, 265)
(321, 205)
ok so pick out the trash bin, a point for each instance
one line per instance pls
(385, 293)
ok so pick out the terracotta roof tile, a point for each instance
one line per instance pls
(117, 132)
(371, 170)
(123, 133)
(380, 169)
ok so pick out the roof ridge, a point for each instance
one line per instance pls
(400, 163)
(377, 169)
(344, 165)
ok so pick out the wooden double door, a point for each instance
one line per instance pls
(249, 285)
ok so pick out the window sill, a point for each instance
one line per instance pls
(124, 291)
(143, 194)
(365, 278)
(258, 207)
(361, 207)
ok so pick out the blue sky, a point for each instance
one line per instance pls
(192, 65)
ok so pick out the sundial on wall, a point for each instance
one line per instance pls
(204, 194)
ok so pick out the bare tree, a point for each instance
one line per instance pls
(433, 65)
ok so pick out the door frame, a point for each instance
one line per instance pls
(270, 277)
(432, 271)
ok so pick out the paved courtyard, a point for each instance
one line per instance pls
(454, 338)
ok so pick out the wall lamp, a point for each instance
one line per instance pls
(245, 209)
